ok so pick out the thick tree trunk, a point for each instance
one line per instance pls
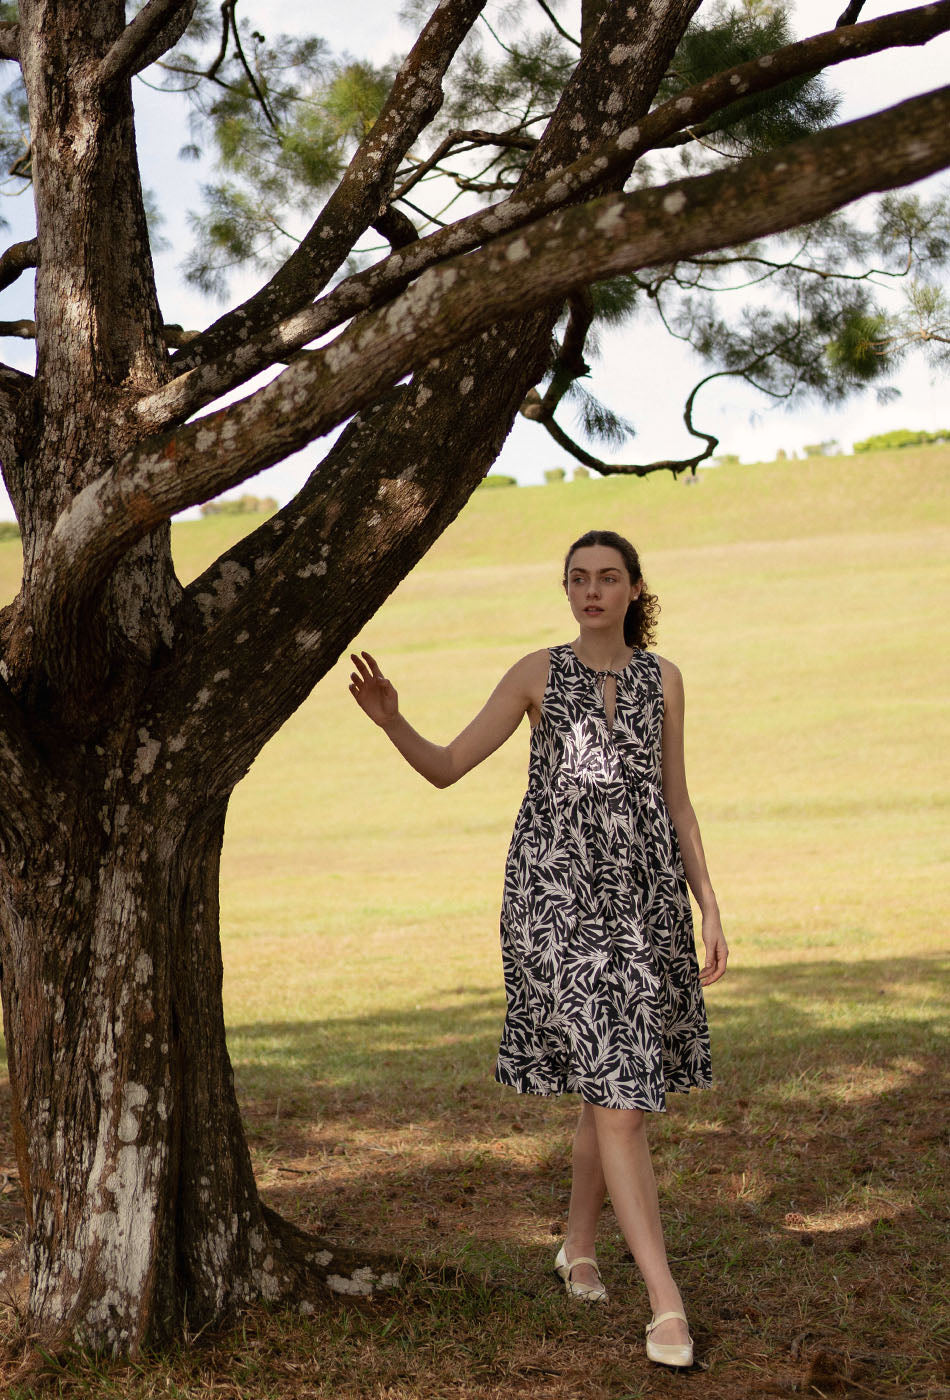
(121, 1080)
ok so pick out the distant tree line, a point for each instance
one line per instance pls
(240, 505)
(901, 437)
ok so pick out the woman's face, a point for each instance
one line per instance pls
(599, 588)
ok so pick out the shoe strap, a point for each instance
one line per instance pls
(582, 1259)
(665, 1317)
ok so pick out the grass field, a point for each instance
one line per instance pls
(806, 604)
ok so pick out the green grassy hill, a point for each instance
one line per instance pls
(878, 492)
(802, 601)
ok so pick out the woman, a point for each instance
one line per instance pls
(603, 985)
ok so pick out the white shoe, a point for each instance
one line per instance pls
(668, 1353)
(589, 1292)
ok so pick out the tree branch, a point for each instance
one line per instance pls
(570, 363)
(415, 98)
(154, 30)
(17, 258)
(450, 304)
(364, 519)
(193, 389)
(557, 24)
(534, 408)
(397, 228)
(666, 464)
(458, 410)
(248, 70)
(19, 330)
(470, 140)
(10, 41)
(13, 384)
(22, 780)
(850, 14)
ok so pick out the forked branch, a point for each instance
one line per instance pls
(450, 304)
(195, 387)
(415, 98)
(155, 29)
(10, 41)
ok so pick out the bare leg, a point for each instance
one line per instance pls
(588, 1191)
(628, 1172)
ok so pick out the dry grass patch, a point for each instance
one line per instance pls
(802, 1197)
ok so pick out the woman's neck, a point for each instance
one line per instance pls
(603, 652)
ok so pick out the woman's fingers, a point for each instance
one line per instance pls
(367, 668)
(715, 966)
(370, 689)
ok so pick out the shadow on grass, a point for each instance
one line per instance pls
(803, 1186)
(799, 1195)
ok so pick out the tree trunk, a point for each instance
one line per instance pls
(121, 1079)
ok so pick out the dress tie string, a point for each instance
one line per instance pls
(600, 680)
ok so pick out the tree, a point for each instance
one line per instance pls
(130, 706)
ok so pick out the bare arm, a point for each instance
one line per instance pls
(681, 811)
(518, 693)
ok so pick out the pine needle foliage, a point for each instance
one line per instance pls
(734, 34)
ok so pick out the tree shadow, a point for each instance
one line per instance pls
(799, 1193)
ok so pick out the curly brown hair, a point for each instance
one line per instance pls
(639, 625)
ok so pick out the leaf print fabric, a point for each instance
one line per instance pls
(597, 939)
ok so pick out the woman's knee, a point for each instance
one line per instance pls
(617, 1122)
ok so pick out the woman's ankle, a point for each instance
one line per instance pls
(666, 1297)
(579, 1246)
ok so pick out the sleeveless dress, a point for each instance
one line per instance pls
(600, 965)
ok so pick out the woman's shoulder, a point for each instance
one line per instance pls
(528, 679)
(668, 669)
(671, 679)
(534, 666)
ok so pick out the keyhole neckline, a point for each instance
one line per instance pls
(605, 671)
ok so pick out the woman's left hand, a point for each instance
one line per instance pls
(717, 953)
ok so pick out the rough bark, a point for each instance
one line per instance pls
(121, 1076)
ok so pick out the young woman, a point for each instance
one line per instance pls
(603, 984)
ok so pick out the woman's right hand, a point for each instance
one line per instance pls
(375, 695)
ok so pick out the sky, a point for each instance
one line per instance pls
(641, 373)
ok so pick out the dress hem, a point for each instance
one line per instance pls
(523, 1086)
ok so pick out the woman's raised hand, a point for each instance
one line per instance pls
(374, 694)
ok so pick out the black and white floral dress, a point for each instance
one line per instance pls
(597, 939)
